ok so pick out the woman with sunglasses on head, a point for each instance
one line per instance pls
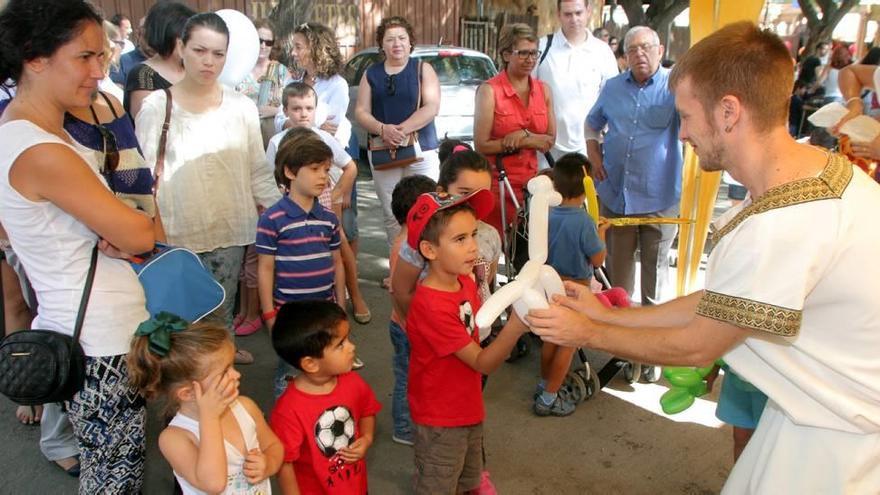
(215, 173)
(162, 30)
(398, 96)
(514, 115)
(56, 208)
(265, 82)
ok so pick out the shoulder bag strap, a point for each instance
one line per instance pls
(87, 291)
(546, 48)
(163, 138)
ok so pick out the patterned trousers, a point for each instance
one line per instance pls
(225, 265)
(108, 417)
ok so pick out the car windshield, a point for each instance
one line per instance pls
(460, 69)
(453, 68)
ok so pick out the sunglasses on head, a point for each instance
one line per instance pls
(268, 43)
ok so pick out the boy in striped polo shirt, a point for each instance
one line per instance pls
(297, 238)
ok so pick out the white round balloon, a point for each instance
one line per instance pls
(244, 47)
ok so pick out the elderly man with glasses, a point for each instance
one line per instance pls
(638, 167)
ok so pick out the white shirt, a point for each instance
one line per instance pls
(236, 482)
(108, 86)
(55, 249)
(799, 267)
(575, 75)
(215, 171)
(333, 100)
(340, 160)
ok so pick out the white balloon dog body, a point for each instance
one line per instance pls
(536, 282)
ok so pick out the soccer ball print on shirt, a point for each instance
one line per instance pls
(334, 430)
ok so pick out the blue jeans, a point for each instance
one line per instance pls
(283, 372)
(403, 425)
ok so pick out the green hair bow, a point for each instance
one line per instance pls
(159, 329)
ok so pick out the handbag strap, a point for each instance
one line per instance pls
(163, 139)
(87, 292)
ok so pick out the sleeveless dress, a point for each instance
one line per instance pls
(236, 483)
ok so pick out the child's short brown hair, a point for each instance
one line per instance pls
(298, 148)
(297, 90)
(568, 175)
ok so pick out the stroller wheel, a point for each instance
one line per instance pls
(591, 378)
(631, 372)
(573, 388)
(651, 373)
(521, 349)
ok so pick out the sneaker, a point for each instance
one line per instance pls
(402, 440)
(560, 407)
(357, 364)
(539, 389)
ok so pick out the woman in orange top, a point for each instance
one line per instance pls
(514, 114)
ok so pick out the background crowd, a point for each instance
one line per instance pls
(115, 146)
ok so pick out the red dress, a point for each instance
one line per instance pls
(511, 114)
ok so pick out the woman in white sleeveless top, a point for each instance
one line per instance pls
(55, 208)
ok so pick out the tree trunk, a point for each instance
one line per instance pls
(822, 29)
(286, 16)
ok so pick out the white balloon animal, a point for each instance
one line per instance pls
(244, 47)
(536, 282)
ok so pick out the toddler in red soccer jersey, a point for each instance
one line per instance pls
(326, 417)
(446, 360)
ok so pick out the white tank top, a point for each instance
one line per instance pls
(236, 483)
(55, 249)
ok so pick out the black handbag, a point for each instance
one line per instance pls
(43, 366)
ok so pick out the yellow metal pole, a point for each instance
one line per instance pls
(699, 188)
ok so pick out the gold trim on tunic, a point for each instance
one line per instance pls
(746, 313)
(830, 184)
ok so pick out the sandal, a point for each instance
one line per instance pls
(248, 327)
(243, 357)
(29, 415)
(363, 318)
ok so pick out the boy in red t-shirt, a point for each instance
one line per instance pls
(327, 415)
(446, 359)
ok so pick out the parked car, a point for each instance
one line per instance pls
(460, 70)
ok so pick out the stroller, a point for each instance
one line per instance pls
(583, 380)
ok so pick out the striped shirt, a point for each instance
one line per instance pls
(302, 244)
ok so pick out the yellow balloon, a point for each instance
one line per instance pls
(592, 201)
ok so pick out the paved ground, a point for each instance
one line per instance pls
(617, 442)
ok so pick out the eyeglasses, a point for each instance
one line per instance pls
(268, 43)
(119, 43)
(645, 47)
(526, 54)
(389, 84)
(111, 153)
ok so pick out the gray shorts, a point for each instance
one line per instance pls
(448, 460)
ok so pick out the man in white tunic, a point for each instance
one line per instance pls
(791, 286)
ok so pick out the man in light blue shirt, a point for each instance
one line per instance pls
(640, 172)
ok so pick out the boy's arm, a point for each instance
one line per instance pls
(358, 449)
(287, 480)
(403, 286)
(486, 360)
(338, 277)
(599, 258)
(266, 285)
(342, 191)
